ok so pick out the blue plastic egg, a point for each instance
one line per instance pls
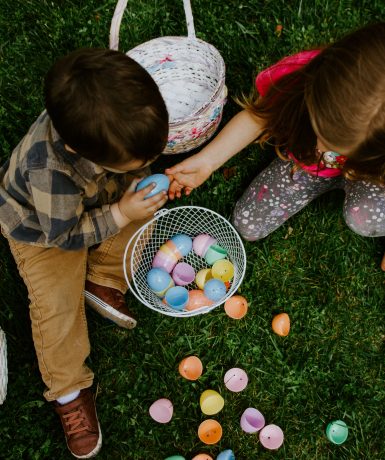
(183, 243)
(159, 281)
(214, 289)
(177, 297)
(161, 180)
(226, 455)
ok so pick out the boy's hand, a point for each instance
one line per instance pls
(188, 175)
(133, 206)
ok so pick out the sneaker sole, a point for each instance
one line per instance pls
(93, 452)
(109, 312)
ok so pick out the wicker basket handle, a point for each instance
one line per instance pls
(118, 15)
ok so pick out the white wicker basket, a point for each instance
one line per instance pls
(192, 221)
(190, 74)
(3, 367)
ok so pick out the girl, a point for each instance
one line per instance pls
(324, 110)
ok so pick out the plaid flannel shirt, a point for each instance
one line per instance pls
(50, 197)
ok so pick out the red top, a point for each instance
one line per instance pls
(334, 162)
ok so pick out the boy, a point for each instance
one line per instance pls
(68, 207)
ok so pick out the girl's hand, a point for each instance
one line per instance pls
(383, 263)
(133, 206)
(187, 175)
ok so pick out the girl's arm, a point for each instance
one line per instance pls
(241, 130)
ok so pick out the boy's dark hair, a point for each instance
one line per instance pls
(106, 107)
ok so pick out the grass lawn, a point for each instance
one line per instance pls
(331, 366)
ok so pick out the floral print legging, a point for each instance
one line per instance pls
(275, 195)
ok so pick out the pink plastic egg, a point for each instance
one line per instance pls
(201, 243)
(236, 379)
(161, 410)
(271, 437)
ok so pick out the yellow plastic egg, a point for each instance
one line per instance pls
(202, 277)
(191, 368)
(236, 307)
(211, 402)
(223, 270)
(281, 324)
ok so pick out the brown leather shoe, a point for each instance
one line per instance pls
(109, 303)
(80, 424)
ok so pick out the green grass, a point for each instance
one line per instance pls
(326, 278)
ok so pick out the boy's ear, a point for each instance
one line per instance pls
(68, 148)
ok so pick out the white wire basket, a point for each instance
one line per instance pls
(192, 221)
(3, 367)
(190, 74)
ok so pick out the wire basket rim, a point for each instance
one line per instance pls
(134, 241)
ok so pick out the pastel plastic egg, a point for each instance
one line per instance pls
(161, 410)
(252, 420)
(281, 324)
(177, 297)
(337, 432)
(214, 253)
(191, 368)
(201, 243)
(202, 277)
(223, 270)
(214, 289)
(183, 274)
(210, 431)
(165, 261)
(211, 402)
(183, 243)
(162, 182)
(226, 455)
(197, 299)
(159, 281)
(171, 250)
(236, 307)
(236, 379)
(271, 437)
(175, 457)
(202, 457)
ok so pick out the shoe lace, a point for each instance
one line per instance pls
(75, 421)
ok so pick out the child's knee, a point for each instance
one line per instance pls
(365, 221)
(249, 231)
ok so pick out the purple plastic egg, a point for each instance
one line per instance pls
(183, 274)
(252, 420)
(165, 261)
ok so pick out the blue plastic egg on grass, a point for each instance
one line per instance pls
(161, 180)
(183, 243)
(214, 289)
(159, 281)
(226, 455)
(177, 297)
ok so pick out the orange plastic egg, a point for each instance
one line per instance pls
(197, 299)
(191, 368)
(236, 307)
(202, 457)
(281, 324)
(210, 431)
